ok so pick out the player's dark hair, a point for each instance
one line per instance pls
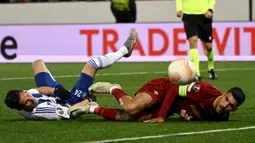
(238, 94)
(12, 99)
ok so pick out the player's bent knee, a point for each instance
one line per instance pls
(208, 45)
(36, 62)
(39, 66)
(89, 70)
(193, 40)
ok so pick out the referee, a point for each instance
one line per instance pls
(197, 18)
(124, 11)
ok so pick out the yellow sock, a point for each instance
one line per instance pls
(194, 57)
(210, 57)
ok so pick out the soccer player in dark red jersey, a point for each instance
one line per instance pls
(160, 98)
(202, 101)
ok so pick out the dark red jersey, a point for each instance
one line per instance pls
(199, 102)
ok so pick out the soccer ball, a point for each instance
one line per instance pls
(182, 71)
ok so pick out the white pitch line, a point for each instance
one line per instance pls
(120, 74)
(172, 135)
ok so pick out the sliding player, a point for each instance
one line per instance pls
(160, 98)
(50, 100)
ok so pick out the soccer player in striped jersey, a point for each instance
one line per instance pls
(50, 100)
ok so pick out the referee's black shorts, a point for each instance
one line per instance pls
(198, 25)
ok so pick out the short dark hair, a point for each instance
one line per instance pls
(238, 94)
(12, 99)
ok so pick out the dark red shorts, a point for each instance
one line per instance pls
(156, 88)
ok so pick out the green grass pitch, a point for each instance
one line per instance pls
(14, 129)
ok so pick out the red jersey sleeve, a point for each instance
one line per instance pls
(168, 101)
(200, 91)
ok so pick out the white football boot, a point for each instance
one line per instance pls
(76, 111)
(102, 87)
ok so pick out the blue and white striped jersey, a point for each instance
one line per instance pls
(48, 108)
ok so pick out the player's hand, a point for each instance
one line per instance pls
(208, 14)
(179, 14)
(155, 120)
(185, 116)
(62, 93)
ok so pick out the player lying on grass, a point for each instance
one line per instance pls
(160, 98)
(50, 100)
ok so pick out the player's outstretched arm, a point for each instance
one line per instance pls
(167, 103)
(155, 120)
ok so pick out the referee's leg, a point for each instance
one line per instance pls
(191, 30)
(206, 37)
